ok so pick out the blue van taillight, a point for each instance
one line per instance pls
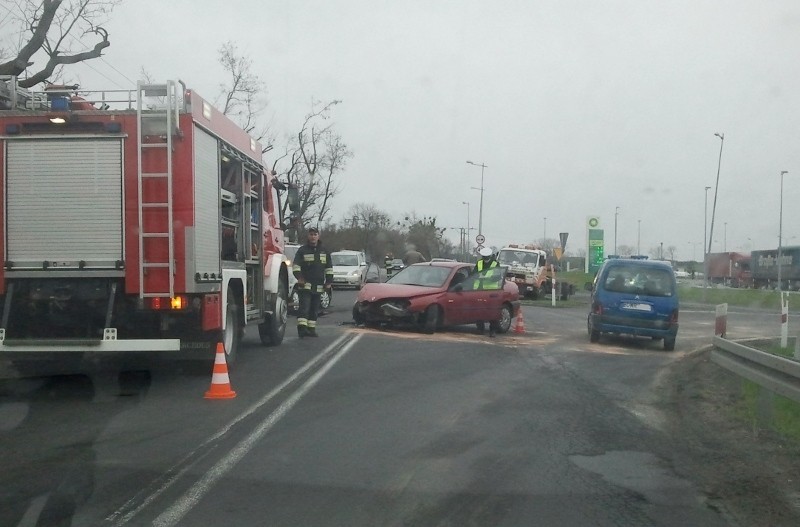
(597, 308)
(673, 319)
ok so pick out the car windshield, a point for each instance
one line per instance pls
(290, 251)
(345, 260)
(511, 257)
(637, 279)
(427, 275)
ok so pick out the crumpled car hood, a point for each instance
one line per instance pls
(376, 292)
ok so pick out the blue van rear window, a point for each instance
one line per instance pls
(640, 280)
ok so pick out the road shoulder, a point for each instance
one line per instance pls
(750, 475)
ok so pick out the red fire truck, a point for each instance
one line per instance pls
(140, 220)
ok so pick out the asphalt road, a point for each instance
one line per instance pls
(363, 427)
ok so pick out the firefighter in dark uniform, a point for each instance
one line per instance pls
(314, 272)
(487, 277)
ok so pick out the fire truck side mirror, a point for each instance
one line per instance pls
(293, 198)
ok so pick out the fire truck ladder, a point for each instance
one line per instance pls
(159, 120)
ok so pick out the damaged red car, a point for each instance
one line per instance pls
(433, 295)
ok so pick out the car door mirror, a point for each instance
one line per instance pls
(457, 288)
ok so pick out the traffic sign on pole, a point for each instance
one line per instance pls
(479, 239)
(563, 236)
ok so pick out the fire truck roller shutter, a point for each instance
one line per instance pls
(206, 205)
(64, 202)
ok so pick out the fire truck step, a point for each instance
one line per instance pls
(156, 295)
(155, 174)
(153, 205)
(155, 264)
(154, 145)
(155, 235)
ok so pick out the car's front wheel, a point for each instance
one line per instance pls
(358, 317)
(506, 316)
(431, 319)
(669, 344)
(325, 298)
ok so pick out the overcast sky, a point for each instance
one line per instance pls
(577, 107)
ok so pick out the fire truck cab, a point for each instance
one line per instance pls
(134, 220)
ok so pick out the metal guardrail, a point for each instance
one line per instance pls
(777, 374)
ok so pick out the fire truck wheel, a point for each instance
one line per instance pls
(271, 331)
(231, 335)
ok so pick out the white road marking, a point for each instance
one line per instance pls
(184, 504)
(122, 516)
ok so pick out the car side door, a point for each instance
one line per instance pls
(468, 302)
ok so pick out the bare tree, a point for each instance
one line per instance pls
(312, 159)
(367, 216)
(315, 157)
(626, 250)
(242, 96)
(52, 31)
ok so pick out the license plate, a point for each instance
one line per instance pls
(635, 306)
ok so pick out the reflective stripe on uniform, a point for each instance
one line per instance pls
(323, 258)
(329, 271)
(312, 323)
(302, 321)
(306, 286)
(308, 257)
(320, 288)
(296, 268)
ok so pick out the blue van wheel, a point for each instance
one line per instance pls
(669, 344)
(594, 335)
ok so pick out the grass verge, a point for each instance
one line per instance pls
(766, 409)
(736, 297)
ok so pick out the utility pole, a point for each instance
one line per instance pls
(480, 208)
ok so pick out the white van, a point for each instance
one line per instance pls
(349, 268)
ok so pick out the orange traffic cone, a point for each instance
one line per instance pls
(519, 325)
(220, 382)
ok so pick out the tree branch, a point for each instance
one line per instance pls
(57, 60)
(22, 61)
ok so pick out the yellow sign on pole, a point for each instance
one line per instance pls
(557, 252)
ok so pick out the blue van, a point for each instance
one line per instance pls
(635, 297)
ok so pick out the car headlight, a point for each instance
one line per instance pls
(354, 273)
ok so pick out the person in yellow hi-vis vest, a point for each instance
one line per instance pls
(487, 276)
(313, 269)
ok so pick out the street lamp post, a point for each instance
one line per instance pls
(544, 234)
(480, 207)
(780, 234)
(705, 235)
(616, 213)
(725, 238)
(716, 191)
(639, 238)
(466, 235)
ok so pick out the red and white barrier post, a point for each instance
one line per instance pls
(721, 321)
(784, 319)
